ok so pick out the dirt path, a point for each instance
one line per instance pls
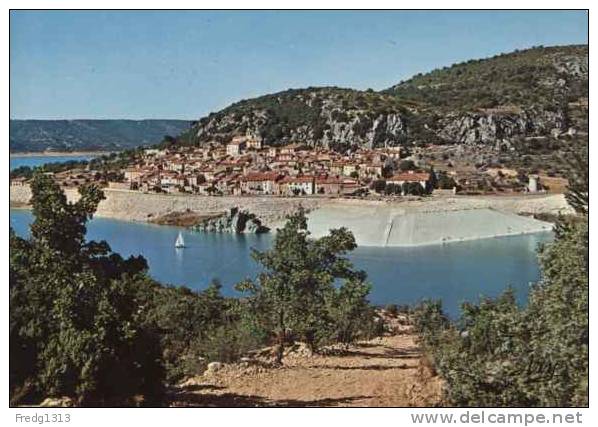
(382, 372)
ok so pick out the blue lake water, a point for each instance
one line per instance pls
(454, 273)
(32, 161)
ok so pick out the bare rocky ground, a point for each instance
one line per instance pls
(388, 371)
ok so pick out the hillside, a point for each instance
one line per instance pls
(540, 91)
(536, 77)
(89, 135)
(494, 101)
(535, 92)
(327, 116)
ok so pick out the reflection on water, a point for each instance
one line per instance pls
(179, 256)
(454, 272)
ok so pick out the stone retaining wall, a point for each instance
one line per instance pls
(137, 206)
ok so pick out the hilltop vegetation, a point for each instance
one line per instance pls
(328, 116)
(540, 77)
(89, 135)
(533, 92)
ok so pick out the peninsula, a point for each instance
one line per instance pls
(422, 162)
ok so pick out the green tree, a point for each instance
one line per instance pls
(445, 182)
(576, 161)
(406, 165)
(196, 327)
(296, 296)
(433, 181)
(378, 186)
(74, 316)
(413, 189)
(498, 354)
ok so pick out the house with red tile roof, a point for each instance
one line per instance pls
(260, 183)
(328, 185)
(422, 178)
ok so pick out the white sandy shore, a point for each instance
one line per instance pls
(433, 220)
(389, 226)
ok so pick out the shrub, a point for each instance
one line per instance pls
(75, 327)
(378, 186)
(406, 165)
(392, 309)
(296, 295)
(498, 354)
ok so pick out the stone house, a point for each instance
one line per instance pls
(337, 168)
(133, 174)
(349, 168)
(260, 183)
(422, 178)
(292, 185)
(236, 146)
(254, 143)
(291, 149)
(18, 182)
(373, 170)
(328, 185)
(169, 181)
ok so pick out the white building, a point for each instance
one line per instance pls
(236, 146)
(298, 184)
(422, 178)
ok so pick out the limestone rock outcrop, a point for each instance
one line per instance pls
(233, 221)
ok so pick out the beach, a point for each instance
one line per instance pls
(388, 226)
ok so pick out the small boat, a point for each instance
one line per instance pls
(180, 242)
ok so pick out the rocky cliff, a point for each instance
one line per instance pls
(499, 127)
(327, 117)
(535, 92)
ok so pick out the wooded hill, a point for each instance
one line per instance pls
(89, 135)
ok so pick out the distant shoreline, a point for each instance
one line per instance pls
(438, 219)
(59, 153)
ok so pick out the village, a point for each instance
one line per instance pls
(246, 167)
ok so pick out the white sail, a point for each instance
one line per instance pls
(180, 242)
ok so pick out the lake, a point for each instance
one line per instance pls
(454, 272)
(32, 161)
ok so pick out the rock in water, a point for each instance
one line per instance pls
(234, 221)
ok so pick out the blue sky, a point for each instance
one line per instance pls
(167, 64)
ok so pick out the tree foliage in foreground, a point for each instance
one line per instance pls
(88, 324)
(74, 320)
(576, 163)
(299, 296)
(498, 354)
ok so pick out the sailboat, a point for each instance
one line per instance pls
(180, 242)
